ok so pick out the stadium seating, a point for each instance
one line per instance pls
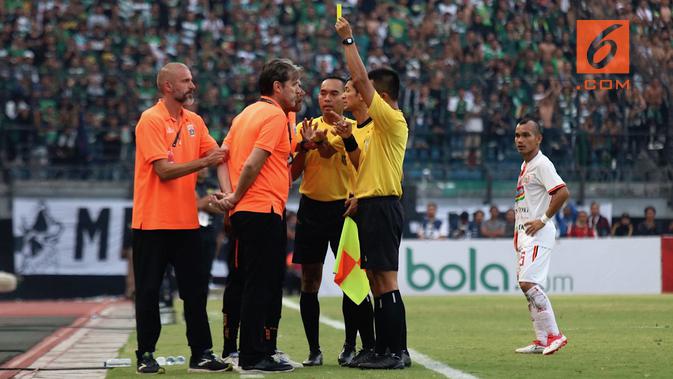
(75, 75)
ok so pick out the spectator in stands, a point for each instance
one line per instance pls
(669, 230)
(432, 227)
(623, 228)
(462, 230)
(649, 226)
(493, 227)
(598, 222)
(510, 222)
(581, 228)
(475, 225)
(566, 219)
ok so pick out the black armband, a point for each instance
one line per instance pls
(350, 143)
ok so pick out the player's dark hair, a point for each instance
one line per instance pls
(276, 70)
(527, 119)
(335, 77)
(386, 80)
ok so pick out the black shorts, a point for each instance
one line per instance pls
(380, 222)
(318, 223)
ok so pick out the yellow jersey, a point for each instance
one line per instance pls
(382, 152)
(326, 179)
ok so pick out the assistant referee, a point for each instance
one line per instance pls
(327, 181)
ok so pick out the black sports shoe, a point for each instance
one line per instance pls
(346, 355)
(314, 359)
(146, 364)
(383, 362)
(364, 355)
(267, 364)
(406, 358)
(207, 362)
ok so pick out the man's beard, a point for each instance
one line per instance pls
(186, 99)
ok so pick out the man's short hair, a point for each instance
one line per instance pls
(647, 208)
(276, 70)
(527, 119)
(166, 73)
(386, 80)
(335, 77)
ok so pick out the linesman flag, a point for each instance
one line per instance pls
(348, 274)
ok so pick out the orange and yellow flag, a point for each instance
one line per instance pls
(348, 274)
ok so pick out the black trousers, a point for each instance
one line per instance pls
(209, 245)
(152, 251)
(231, 300)
(261, 260)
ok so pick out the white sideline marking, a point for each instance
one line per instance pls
(417, 357)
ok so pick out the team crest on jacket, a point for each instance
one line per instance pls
(190, 129)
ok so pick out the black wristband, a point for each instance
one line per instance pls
(350, 143)
(302, 146)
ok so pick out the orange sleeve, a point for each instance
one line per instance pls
(150, 139)
(271, 131)
(228, 137)
(207, 141)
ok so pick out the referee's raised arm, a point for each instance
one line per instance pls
(354, 62)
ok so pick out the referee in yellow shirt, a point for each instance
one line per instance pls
(328, 180)
(377, 209)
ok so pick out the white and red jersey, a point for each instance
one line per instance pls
(537, 181)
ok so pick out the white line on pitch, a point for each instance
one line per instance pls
(417, 357)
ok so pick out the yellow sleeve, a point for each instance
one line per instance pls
(386, 119)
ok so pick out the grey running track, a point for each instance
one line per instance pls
(88, 342)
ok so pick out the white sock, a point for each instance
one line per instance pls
(545, 313)
(540, 332)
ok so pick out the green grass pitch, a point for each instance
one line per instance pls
(609, 336)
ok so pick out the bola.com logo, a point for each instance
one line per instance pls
(603, 48)
(473, 276)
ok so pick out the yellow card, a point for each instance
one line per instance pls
(338, 11)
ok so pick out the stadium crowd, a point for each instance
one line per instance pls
(75, 75)
(570, 222)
